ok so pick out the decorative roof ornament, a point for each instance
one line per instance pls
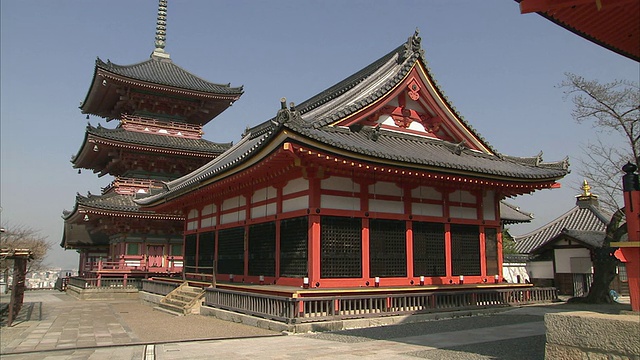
(412, 46)
(587, 197)
(161, 31)
(586, 189)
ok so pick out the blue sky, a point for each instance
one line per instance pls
(499, 68)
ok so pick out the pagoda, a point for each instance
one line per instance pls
(376, 181)
(160, 110)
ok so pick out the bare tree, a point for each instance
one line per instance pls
(23, 237)
(613, 109)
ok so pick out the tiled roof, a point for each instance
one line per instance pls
(75, 235)
(587, 218)
(426, 151)
(155, 140)
(165, 72)
(312, 120)
(110, 201)
(511, 214)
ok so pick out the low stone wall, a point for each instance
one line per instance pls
(103, 293)
(334, 325)
(589, 335)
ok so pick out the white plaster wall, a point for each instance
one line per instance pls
(233, 217)
(540, 269)
(511, 271)
(462, 196)
(234, 202)
(193, 213)
(426, 192)
(339, 183)
(263, 210)
(209, 209)
(385, 188)
(192, 225)
(339, 202)
(264, 194)
(295, 185)
(489, 206)
(394, 207)
(298, 203)
(563, 258)
(426, 209)
(459, 212)
(206, 222)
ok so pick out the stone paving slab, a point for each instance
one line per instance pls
(71, 329)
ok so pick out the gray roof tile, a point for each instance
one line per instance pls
(588, 218)
(165, 72)
(162, 141)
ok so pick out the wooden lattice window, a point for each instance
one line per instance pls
(262, 249)
(429, 257)
(231, 251)
(341, 247)
(491, 250)
(387, 248)
(294, 234)
(465, 249)
(190, 249)
(206, 252)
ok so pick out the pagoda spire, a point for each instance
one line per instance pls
(161, 31)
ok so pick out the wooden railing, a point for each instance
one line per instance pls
(105, 283)
(158, 287)
(172, 264)
(309, 309)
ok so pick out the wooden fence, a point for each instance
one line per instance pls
(158, 287)
(338, 307)
(105, 283)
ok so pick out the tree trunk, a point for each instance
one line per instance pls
(604, 264)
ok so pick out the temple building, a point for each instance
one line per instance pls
(160, 110)
(560, 252)
(375, 181)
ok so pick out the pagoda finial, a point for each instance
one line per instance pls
(586, 189)
(161, 31)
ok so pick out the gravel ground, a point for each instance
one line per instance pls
(530, 348)
(436, 326)
(151, 325)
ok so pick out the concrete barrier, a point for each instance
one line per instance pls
(589, 335)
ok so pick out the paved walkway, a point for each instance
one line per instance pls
(70, 329)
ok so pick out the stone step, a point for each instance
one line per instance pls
(180, 297)
(170, 309)
(176, 303)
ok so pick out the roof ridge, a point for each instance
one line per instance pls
(547, 225)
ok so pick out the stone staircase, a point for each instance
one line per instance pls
(183, 300)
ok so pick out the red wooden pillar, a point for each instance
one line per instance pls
(313, 265)
(408, 200)
(279, 188)
(366, 265)
(500, 263)
(447, 250)
(409, 250)
(483, 252)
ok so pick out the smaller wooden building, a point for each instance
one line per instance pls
(560, 251)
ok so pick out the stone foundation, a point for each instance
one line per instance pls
(589, 335)
(102, 293)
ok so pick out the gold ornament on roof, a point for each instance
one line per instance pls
(586, 189)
